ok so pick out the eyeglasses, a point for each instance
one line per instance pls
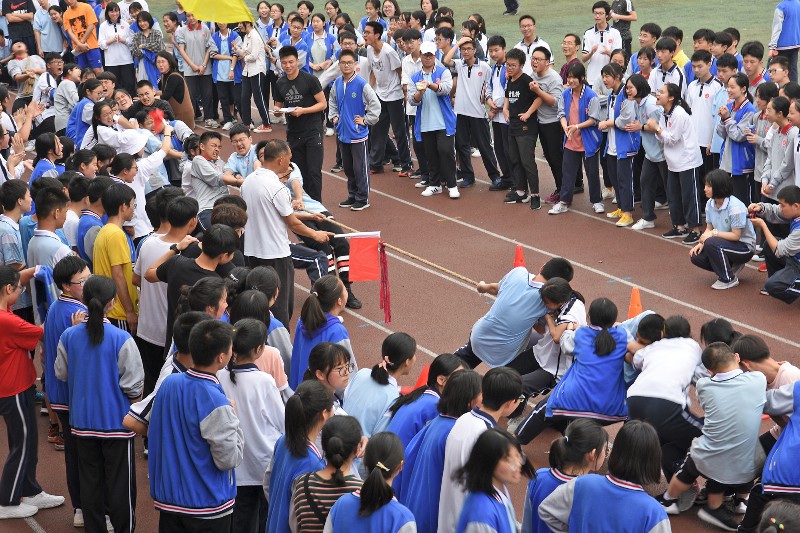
(347, 63)
(344, 370)
(537, 59)
(774, 70)
(80, 282)
(22, 288)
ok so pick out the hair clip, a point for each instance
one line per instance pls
(566, 439)
(382, 466)
(776, 524)
(315, 293)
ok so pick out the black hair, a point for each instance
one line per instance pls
(446, 33)
(724, 38)
(577, 70)
(518, 56)
(500, 385)
(581, 437)
(248, 335)
(45, 182)
(97, 187)
(171, 61)
(751, 348)
(219, 239)
(636, 455)
(753, 49)
(115, 197)
(602, 4)
(92, 84)
(236, 282)
(556, 290)
(11, 192)
(461, 389)
(182, 328)
(230, 199)
(741, 79)
(104, 152)
(641, 85)
(98, 291)
(769, 91)
(326, 291)
(340, 438)
(44, 144)
(603, 314)
(250, 304)
(651, 327)
(789, 194)
(205, 293)
(229, 215)
(677, 327)
(613, 70)
(121, 163)
(727, 60)
(303, 411)
(264, 279)
(209, 135)
(674, 33)
(496, 40)
(702, 55)
(163, 199)
(287, 51)
(492, 445)
(557, 267)
(306, 3)
(238, 129)
(716, 356)
(324, 357)
(674, 92)
(147, 17)
(342, 35)
(779, 60)
(649, 53)
(780, 516)
(67, 267)
(208, 339)
(547, 53)
(48, 200)
(397, 348)
(181, 210)
(108, 76)
(350, 53)
(111, 6)
(81, 157)
(8, 276)
(734, 33)
(377, 27)
(67, 149)
(383, 456)
(481, 23)
(443, 365)
(652, 28)
(420, 17)
(721, 184)
(718, 330)
(703, 34)
(667, 43)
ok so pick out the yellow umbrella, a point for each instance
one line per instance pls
(228, 11)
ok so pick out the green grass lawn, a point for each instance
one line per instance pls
(554, 19)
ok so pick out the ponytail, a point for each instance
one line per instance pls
(581, 437)
(340, 438)
(303, 411)
(397, 348)
(205, 293)
(383, 457)
(248, 335)
(98, 291)
(603, 314)
(444, 365)
(326, 291)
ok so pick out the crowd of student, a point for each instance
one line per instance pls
(162, 301)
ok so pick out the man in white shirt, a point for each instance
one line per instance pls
(668, 70)
(44, 92)
(599, 41)
(530, 41)
(269, 217)
(700, 95)
(411, 64)
(25, 70)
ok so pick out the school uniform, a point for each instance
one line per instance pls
(143, 409)
(102, 379)
(45, 248)
(689, 72)
(622, 147)
(332, 331)
(89, 226)
(192, 419)
(737, 155)
(497, 92)
(661, 76)
(607, 39)
(384, 65)
(412, 417)
(409, 67)
(653, 177)
(419, 484)
(778, 168)
(391, 518)
(527, 68)
(367, 400)
(278, 481)
(79, 120)
(488, 513)
(229, 91)
(540, 487)
(550, 133)
(783, 263)
(722, 256)
(603, 504)
(701, 97)
(585, 146)
(785, 35)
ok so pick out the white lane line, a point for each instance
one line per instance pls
(34, 525)
(588, 268)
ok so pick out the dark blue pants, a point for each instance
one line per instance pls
(474, 130)
(19, 473)
(784, 276)
(572, 170)
(621, 174)
(653, 178)
(684, 201)
(791, 55)
(720, 255)
(392, 114)
(355, 161)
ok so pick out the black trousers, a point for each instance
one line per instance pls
(440, 150)
(307, 152)
(758, 500)
(253, 88)
(392, 114)
(152, 361)
(230, 95)
(720, 255)
(652, 176)
(536, 422)
(71, 460)
(472, 131)
(19, 473)
(337, 251)
(48, 125)
(523, 164)
(314, 262)
(676, 427)
(201, 88)
(107, 473)
(791, 55)
(178, 523)
(284, 304)
(743, 187)
(684, 199)
(552, 137)
(784, 276)
(250, 510)
(126, 76)
(419, 149)
(355, 162)
(500, 134)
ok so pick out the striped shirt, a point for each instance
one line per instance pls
(310, 515)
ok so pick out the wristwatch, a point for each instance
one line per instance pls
(175, 249)
(714, 232)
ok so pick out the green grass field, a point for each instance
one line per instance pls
(554, 19)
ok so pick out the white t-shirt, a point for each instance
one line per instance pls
(45, 87)
(116, 53)
(268, 202)
(153, 296)
(669, 367)
(387, 80)
(527, 68)
(608, 40)
(552, 357)
(71, 228)
(472, 82)
(410, 67)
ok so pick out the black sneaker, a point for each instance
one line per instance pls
(670, 506)
(578, 188)
(336, 168)
(376, 170)
(359, 206)
(348, 203)
(536, 202)
(513, 197)
(352, 301)
(675, 233)
(466, 183)
(509, 13)
(497, 185)
(397, 168)
(721, 517)
(691, 238)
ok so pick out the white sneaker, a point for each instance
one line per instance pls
(559, 208)
(23, 510)
(608, 193)
(476, 152)
(77, 518)
(599, 207)
(44, 500)
(643, 224)
(430, 190)
(721, 285)
(614, 200)
(109, 527)
(421, 184)
(453, 192)
(329, 132)
(660, 206)
(227, 126)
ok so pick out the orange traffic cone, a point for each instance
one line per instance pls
(635, 308)
(519, 257)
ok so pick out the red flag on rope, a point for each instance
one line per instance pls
(368, 263)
